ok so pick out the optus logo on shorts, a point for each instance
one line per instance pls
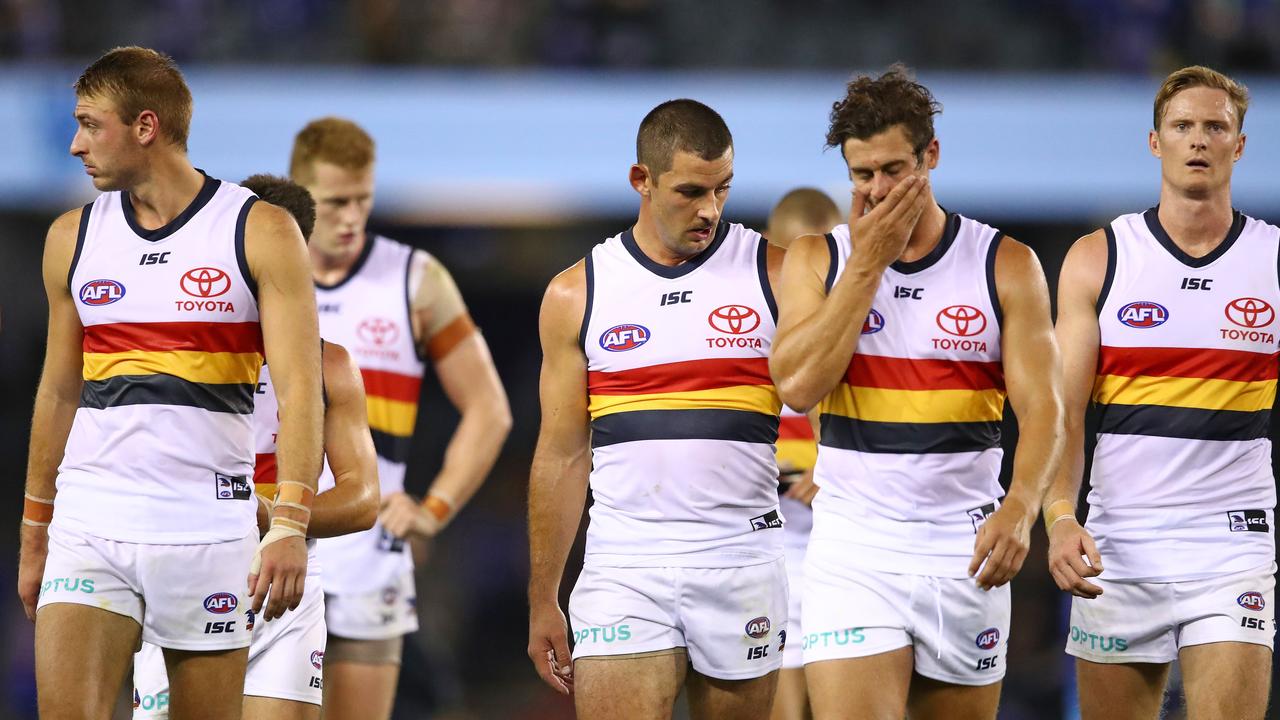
(618, 633)
(1251, 600)
(1143, 314)
(221, 603)
(988, 639)
(96, 293)
(758, 627)
(620, 338)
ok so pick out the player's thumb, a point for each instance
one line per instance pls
(564, 661)
(1091, 552)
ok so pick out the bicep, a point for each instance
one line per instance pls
(64, 348)
(562, 386)
(1077, 328)
(286, 296)
(467, 373)
(1028, 347)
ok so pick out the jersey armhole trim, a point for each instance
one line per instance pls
(762, 268)
(1111, 269)
(992, 250)
(80, 236)
(408, 304)
(833, 252)
(586, 311)
(241, 258)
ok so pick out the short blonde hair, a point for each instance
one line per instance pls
(138, 79)
(332, 140)
(1200, 76)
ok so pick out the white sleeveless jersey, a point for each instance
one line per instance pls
(1182, 485)
(368, 313)
(797, 451)
(683, 412)
(266, 429)
(909, 454)
(161, 449)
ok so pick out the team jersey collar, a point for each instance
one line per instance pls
(684, 268)
(950, 228)
(202, 198)
(1152, 217)
(355, 267)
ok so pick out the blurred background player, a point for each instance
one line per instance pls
(655, 388)
(394, 308)
(1167, 323)
(907, 325)
(164, 294)
(803, 211)
(286, 657)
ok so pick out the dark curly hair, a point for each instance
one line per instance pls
(288, 195)
(872, 105)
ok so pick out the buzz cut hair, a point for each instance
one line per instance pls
(1200, 76)
(136, 79)
(334, 140)
(287, 194)
(682, 125)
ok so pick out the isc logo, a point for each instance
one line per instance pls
(988, 639)
(987, 663)
(1251, 600)
(221, 603)
(758, 627)
(1143, 314)
(101, 292)
(624, 337)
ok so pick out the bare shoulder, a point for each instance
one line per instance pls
(1014, 258)
(568, 288)
(60, 244)
(341, 374)
(270, 224)
(1085, 266)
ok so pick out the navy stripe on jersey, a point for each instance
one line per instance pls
(202, 198)
(1111, 268)
(591, 293)
(950, 229)
(733, 425)
(991, 277)
(1187, 423)
(242, 260)
(80, 235)
(833, 254)
(684, 268)
(162, 389)
(391, 447)
(846, 433)
(1152, 218)
(762, 269)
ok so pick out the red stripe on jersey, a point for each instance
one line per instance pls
(391, 385)
(685, 376)
(791, 427)
(264, 468)
(890, 373)
(241, 337)
(1239, 365)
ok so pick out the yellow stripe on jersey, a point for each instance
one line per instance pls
(796, 454)
(1202, 393)
(915, 406)
(214, 368)
(753, 398)
(395, 417)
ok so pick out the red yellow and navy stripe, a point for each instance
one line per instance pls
(207, 365)
(797, 447)
(1190, 393)
(392, 402)
(902, 405)
(710, 399)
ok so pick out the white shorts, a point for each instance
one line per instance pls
(959, 633)
(285, 660)
(1141, 622)
(732, 620)
(185, 597)
(377, 615)
(795, 541)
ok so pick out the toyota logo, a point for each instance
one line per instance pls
(734, 319)
(205, 282)
(1250, 312)
(962, 320)
(378, 331)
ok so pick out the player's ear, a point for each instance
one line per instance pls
(932, 152)
(1153, 142)
(641, 179)
(1239, 148)
(146, 128)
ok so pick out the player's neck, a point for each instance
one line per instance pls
(1195, 224)
(927, 233)
(169, 187)
(332, 268)
(646, 236)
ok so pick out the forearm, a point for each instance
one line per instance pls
(1064, 487)
(471, 452)
(349, 506)
(809, 360)
(1038, 456)
(557, 495)
(51, 425)
(299, 449)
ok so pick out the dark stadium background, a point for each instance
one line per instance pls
(468, 660)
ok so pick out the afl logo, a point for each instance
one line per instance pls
(1143, 314)
(988, 639)
(758, 627)
(101, 292)
(221, 603)
(620, 338)
(378, 331)
(205, 282)
(873, 324)
(1251, 600)
(317, 659)
(734, 319)
(1250, 312)
(962, 320)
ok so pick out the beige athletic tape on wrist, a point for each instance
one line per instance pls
(1058, 510)
(277, 532)
(36, 512)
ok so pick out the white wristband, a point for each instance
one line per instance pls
(275, 533)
